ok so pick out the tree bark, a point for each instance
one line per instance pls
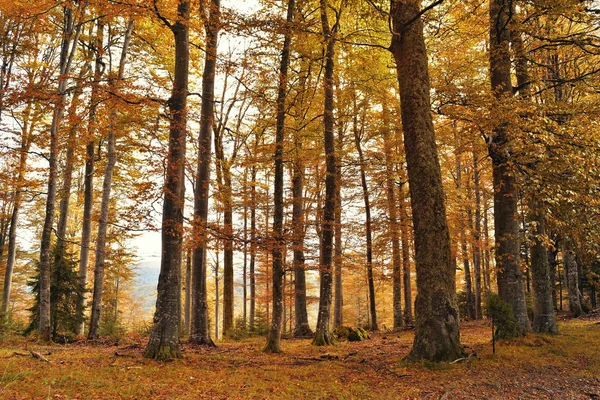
(188, 288)
(544, 320)
(437, 336)
(68, 47)
(323, 334)
(105, 202)
(252, 248)
(164, 339)
(368, 228)
(223, 170)
(506, 224)
(200, 333)
(274, 336)
(476, 233)
(88, 191)
(392, 209)
(405, 240)
(571, 278)
(338, 309)
(16, 208)
(470, 304)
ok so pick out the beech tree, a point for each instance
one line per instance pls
(164, 340)
(437, 335)
(200, 333)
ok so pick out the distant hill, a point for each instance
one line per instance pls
(145, 281)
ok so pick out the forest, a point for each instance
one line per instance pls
(300, 198)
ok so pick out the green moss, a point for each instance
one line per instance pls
(162, 353)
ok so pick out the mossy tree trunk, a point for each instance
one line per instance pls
(544, 320)
(506, 224)
(437, 336)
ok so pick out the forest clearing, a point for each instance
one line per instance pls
(564, 366)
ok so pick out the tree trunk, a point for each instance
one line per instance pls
(245, 265)
(68, 47)
(476, 233)
(88, 196)
(105, 202)
(552, 264)
(188, 288)
(252, 248)
(164, 339)
(301, 328)
(506, 224)
(338, 309)
(487, 279)
(405, 239)
(368, 228)
(470, 305)
(274, 337)
(437, 336)
(200, 333)
(16, 208)
(544, 320)
(393, 220)
(571, 279)
(323, 334)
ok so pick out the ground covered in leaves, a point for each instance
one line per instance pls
(565, 366)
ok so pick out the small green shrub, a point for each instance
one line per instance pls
(502, 315)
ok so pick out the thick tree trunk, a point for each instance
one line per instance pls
(544, 320)
(368, 228)
(105, 202)
(274, 337)
(164, 339)
(88, 191)
(323, 334)
(392, 209)
(200, 333)
(437, 336)
(67, 52)
(506, 224)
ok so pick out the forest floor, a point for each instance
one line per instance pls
(564, 366)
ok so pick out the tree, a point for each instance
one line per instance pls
(105, 202)
(273, 339)
(70, 38)
(323, 335)
(437, 336)
(200, 333)
(506, 224)
(368, 228)
(86, 228)
(164, 339)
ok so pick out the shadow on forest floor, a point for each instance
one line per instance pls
(566, 366)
